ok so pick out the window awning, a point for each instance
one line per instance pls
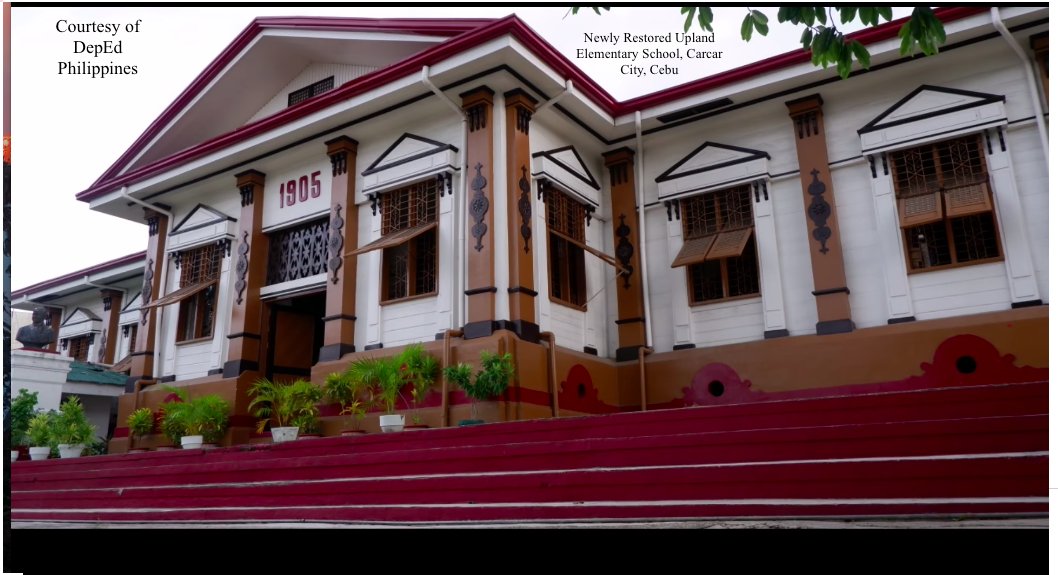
(729, 244)
(920, 210)
(967, 200)
(180, 294)
(597, 253)
(693, 251)
(394, 239)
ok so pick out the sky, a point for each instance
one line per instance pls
(68, 129)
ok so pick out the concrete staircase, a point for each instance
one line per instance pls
(952, 452)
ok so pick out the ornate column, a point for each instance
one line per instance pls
(142, 366)
(251, 267)
(519, 111)
(340, 316)
(111, 312)
(481, 286)
(824, 237)
(631, 323)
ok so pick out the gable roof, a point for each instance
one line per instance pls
(569, 160)
(408, 147)
(710, 156)
(466, 34)
(79, 315)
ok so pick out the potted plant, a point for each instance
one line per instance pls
(288, 407)
(71, 430)
(382, 375)
(492, 379)
(418, 368)
(38, 432)
(140, 423)
(23, 407)
(352, 395)
(173, 425)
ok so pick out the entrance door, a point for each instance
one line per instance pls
(295, 336)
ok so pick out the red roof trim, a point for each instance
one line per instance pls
(131, 258)
(475, 33)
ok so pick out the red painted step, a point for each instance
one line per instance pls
(999, 434)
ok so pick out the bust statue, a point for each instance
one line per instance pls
(37, 335)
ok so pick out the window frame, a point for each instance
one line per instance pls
(747, 220)
(939, 188)
(194, 272)
(86, 339)
(389, 201)
(575, 270)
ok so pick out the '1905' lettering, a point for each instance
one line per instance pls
(299, 190)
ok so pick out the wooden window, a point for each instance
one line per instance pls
(408, 242)
(199, 271)
(78, 347)
(719, 250)
(945, 204)
(565, 227)
(314, 89)
(132, 337)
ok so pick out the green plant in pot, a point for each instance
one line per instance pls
(383, 376)
(23, 408)
(287, 406)
(140, 423)
(39, 435)
(207, 419)
(352, 395)
(174, 421)
(418, 368)
(496, 373)
(71, 430)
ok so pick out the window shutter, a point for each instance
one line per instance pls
(920, 210)
(693, 251)
(729, 244)
(967, 200)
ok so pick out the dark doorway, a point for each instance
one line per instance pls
(295, 335)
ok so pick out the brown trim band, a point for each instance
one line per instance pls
(907, 319)
(774, 333)
(373, 346)
(339, 316)
(335, 351)
(834, 326)
(1031, 303)
(235, 367)
(830, 291)
(522, 289)
(627, 353)
(678, 347)
(630, 320)
(481, 290)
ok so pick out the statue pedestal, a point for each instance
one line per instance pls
(41, 371)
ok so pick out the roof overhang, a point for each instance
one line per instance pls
(111, 273)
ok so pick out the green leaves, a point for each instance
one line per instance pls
(923, 29)
(705, 17)
(755, 20)
(597, 9)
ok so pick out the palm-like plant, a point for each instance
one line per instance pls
(497, 372)
(353, 395)
(420, 369)
(284, 404)
(140, 422)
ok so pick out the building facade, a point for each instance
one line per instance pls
(769, 231)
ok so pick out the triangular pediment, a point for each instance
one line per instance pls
(200, 217)
(926, 102)
(132, 303)
(407, 148)
(569, 160)
(80, 315)
(710, 156)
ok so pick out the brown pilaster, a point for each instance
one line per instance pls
(111, 312)
(824, 237)
(340, 318)
(142, 363)
(519, 110)
(631, 324)
(251, 265)
(481, 285)
(55, 320)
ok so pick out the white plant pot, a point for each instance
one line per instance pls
(391, 423)
(283, 434)
(38, 453)
(69, 451)
(191, 441)
(14, 455)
